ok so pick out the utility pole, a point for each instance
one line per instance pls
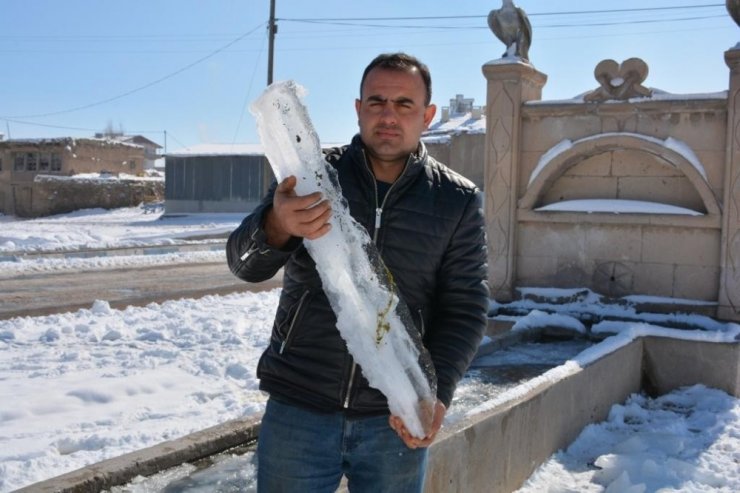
(272, 28)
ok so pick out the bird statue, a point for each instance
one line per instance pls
(733, 7)
(511, 25)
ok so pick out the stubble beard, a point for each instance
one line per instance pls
(388, 151)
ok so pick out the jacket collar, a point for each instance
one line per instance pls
(414, 165)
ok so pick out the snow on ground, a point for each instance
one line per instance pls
(79, 387)
(101, 228)
(24, 266)
(76, 388)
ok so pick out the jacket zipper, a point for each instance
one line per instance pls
(292, 323)
(254, 247)
(378, 215)
(379, 210)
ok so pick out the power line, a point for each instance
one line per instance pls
(140, 88)
(644, 21)
(580, 24)
(249, 91)
(534, 14)
(49, 125)
(169, 134)
(347, 21)
(82, 129)
(118, 37)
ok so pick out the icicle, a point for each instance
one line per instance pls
(371, 318)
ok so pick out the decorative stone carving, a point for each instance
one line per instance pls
(620, 82)
(733, 7)
(511, 25)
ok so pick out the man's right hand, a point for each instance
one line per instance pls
(305, 216)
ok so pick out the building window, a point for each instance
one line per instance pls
(1, 165)
(37, 161)
(56, 162)
(44, 161)
(31, 161)
(132, 164)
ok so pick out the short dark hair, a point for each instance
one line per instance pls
(402, 62)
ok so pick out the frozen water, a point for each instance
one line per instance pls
(225, 473)
(371, 317)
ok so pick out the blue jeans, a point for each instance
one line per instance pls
(301, 451)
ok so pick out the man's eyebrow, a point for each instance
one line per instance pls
(380, 99)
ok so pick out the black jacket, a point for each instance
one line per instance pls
(431, 237)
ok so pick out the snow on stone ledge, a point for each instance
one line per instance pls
(616, 206)
(658, 95)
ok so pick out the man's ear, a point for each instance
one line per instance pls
(358, 103)
(429, 113)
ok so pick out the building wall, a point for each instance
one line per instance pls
(89, 156)
(215, 183)
(5, 205)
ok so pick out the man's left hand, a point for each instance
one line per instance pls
(411, 441)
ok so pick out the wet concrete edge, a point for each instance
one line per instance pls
(122, 469)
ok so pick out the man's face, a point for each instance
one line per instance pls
(392, 114)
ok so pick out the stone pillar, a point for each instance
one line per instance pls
(729, 289)
(509, 86)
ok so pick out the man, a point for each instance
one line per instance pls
(323, 420)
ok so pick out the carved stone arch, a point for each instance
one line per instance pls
(585, 148)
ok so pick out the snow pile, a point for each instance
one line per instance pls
(688, 440)
(372, 319)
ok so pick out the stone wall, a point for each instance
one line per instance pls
(51, 195)
(668, 152)
(463, 153)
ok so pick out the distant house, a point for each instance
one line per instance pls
(216, 178)
(457, 139)
(150, 147)
(26, 163)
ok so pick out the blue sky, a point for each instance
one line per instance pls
(191, 67)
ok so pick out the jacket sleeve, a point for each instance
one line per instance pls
(460, 318)
(249, 256)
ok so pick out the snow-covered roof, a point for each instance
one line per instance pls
(220, 150)
(138, 139)
(440, 131)
(231, 149)
(71, 141)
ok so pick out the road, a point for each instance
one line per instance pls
(46, 293)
